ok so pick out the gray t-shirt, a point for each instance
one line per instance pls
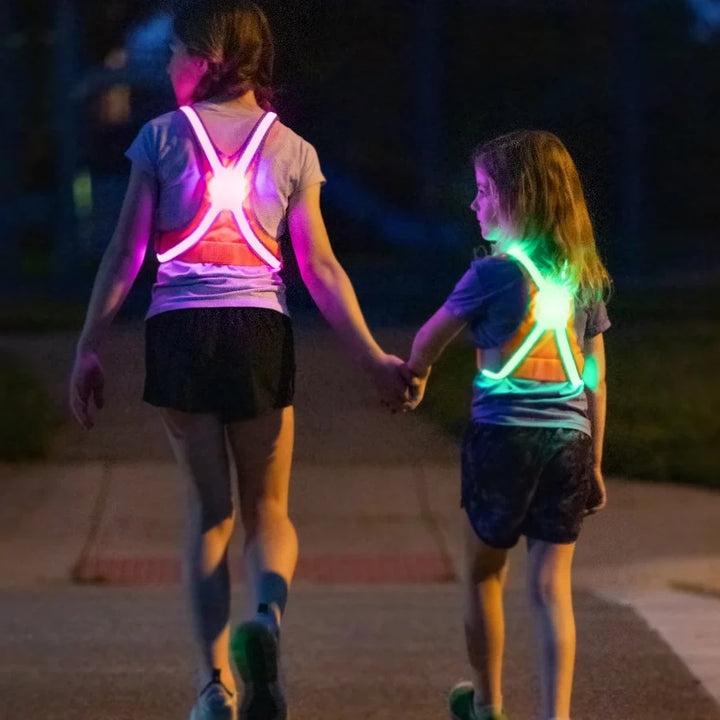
(492, 297)
(166, 149)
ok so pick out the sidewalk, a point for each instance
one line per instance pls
(366, 485)
(375, 602)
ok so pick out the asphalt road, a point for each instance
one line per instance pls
(373, 629)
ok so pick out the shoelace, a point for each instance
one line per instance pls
(215, 680)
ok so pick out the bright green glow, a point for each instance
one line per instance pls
(568, 361)
(518, 356)
(553, 308)
(591, 375)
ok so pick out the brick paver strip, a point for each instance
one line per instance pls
(331, 569)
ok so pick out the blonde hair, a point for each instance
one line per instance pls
(540, 198)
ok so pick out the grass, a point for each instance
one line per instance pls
(663, 354)
(28, 417)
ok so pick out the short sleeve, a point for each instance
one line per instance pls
(309, 172)
(597, 320)
(486, 281)
(143, 150)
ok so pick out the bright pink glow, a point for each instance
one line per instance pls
(225, 189)
(228, 189)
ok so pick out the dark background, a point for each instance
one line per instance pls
(394, 96)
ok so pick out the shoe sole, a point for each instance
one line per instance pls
(255, 652)
(223, 714)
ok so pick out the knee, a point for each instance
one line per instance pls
(266, 509)
(219, 531)
(547, 589)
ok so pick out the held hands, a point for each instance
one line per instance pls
(416, 385)
(87, 381)
(398, 387)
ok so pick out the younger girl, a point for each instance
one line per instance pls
(215, 184)
(531, 456)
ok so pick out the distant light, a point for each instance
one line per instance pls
(116, 59)
(707, 18)
(82, 194)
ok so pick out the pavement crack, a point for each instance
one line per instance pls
(77, 573)
(430, 522)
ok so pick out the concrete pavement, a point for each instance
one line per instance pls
(373, 629)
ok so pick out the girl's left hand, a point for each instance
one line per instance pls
(87, 381)
(597, 500)
(416, 387)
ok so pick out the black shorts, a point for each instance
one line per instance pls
(530, 481)
(235, 362)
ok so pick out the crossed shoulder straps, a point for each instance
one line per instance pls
(255, 140)
(553, 310)
(228, 189)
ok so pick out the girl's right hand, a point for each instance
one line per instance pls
(416, 387)
(87, 381)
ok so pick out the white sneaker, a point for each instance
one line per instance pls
(215, 702)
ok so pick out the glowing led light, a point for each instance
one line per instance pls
(553, 309)
(553, 306)
(591, 374)
(227, 190)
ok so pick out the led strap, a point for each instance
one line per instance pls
(224, 193)
(552, 307)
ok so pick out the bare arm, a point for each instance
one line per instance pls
(429, 343)
(118, 269)
(333, 293)
(596, 391)
(596, 388)
(121, 261)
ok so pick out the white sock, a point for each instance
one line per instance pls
(481, 707)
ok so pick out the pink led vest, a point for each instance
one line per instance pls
(225, 229)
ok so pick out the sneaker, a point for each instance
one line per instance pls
(460, 702)
(215, 702)
(255, 650)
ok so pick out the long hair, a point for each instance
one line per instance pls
(234, 37)
(541, 200)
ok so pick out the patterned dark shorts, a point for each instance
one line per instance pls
(525, 481)
(235, 362)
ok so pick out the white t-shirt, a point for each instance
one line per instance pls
(167, 149)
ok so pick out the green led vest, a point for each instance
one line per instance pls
(552, 312)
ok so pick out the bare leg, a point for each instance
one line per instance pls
(486, 570)
(198, 443)
(550, 590)
(262, 448)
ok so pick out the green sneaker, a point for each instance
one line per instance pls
(255, 649)
(460, 702)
